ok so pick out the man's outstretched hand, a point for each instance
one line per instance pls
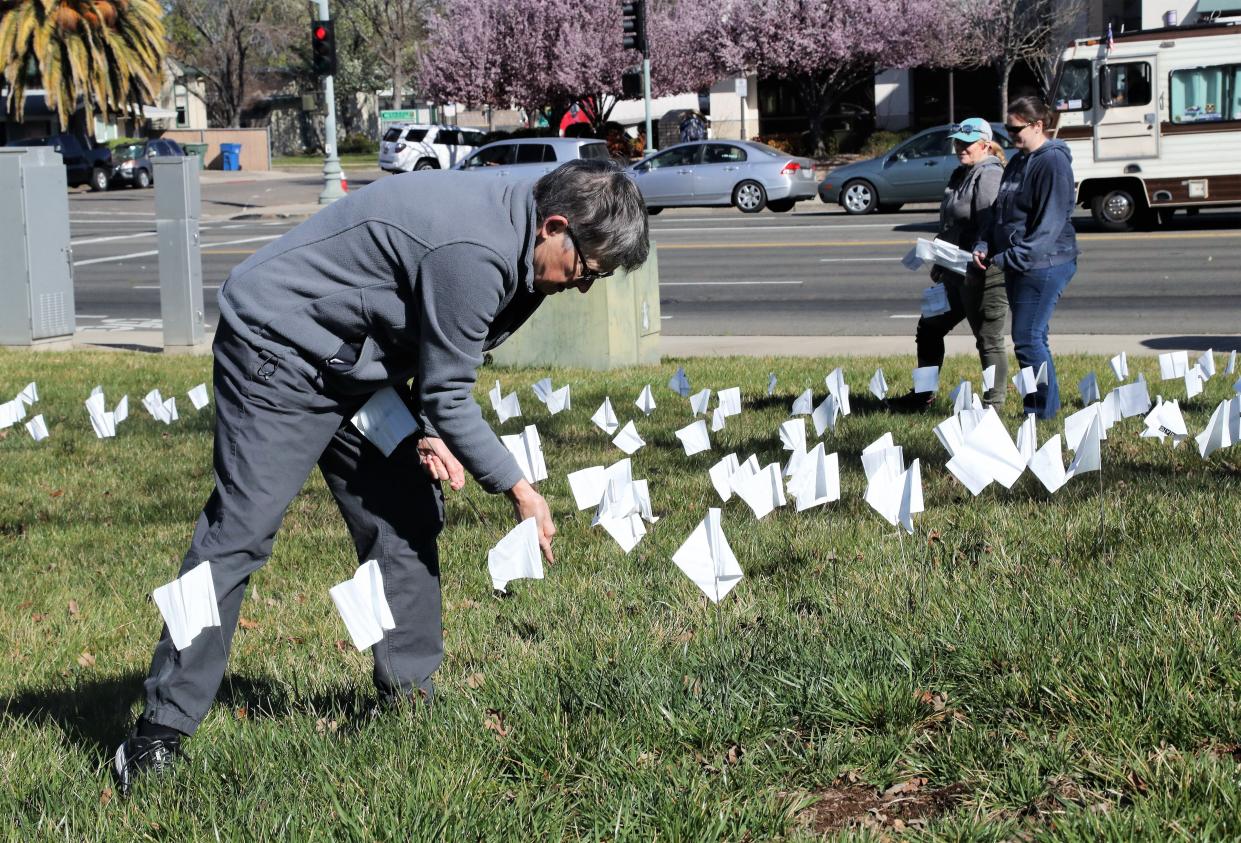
(439, 463)
(527, 503)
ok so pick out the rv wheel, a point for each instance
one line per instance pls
(1115, 209)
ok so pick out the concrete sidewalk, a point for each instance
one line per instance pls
(778, 346)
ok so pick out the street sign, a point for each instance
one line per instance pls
(398, 114)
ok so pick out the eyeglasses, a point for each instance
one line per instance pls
(588, 276)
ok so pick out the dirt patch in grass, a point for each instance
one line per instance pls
(905, 805)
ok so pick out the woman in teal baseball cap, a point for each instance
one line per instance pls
(978, 297)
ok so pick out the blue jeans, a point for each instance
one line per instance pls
(1032, 297)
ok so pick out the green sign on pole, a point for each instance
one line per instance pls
(401, 114)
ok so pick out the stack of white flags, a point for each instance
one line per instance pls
(708, 560)
(892, 490)
(621, 511)
(986, 454)
(363, 606)
(816, 480)
(103, 421)
(527, 449)
(589, 484)
(161, 409)
(516, 556)
(1085, 437)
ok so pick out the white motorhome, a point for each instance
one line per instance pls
(1154, 121)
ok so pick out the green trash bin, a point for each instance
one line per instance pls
(199, 149)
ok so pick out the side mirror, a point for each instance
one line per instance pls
(1105, 87)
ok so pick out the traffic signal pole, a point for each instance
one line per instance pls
(331, 162)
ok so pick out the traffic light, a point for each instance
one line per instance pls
(323, 48)
(633, 25)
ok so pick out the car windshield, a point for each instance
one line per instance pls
(128, 152)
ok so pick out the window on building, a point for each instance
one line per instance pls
(1122, 85)
(1203, 94)
(1073, 91)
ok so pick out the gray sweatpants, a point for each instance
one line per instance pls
(274, 422)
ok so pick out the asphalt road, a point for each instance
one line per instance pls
(816, 271)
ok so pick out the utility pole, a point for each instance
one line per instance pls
(331, 162)
(633, 37)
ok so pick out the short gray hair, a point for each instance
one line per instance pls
(605, 209)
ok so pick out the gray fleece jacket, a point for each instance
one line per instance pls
(966, 209)
(415, 276)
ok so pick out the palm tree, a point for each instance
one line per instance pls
(108, 53)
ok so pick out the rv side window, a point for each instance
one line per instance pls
(1073, 92)
(1122, 85)
(1202, 94)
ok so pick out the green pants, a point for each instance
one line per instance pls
(982, 301)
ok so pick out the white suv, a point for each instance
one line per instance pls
(422, 146)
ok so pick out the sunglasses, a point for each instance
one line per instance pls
(588, 276)
(1015, 130)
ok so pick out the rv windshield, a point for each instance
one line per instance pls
(1073, 88)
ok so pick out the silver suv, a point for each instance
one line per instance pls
(424, 146)
(520, 158)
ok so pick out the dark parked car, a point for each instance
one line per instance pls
(914, 171)
(84, 163)
(133, 161)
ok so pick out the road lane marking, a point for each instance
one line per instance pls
(825, 244)
(117, 213)
(156, 287)
(784, 227)
(116, 258)
(112, 238)
(719, 283)
(905, 316)
(854, 260)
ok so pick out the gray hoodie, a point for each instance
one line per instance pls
(965, 210)
(414, 276)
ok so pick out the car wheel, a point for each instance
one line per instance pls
(781, 206)
(650, 211)
(99, 180)
(426, 164)
(142, 179)
(749, 197)
(1115, 209)
(859, 197)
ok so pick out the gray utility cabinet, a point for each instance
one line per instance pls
(36, 260)
(178, 206)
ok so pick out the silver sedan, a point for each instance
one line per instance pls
(747, 175)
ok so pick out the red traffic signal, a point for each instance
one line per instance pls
(323, 48)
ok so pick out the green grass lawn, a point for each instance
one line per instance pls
(1011, 671)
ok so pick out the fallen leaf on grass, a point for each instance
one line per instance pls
(494, 722)
(24, 605)
(323, 725)
(246, 623)
(341, 645)
(475, 680)
(57, 493)
(37, 617)
(106, 796)
(932, 699)
(733, 756)
(85, 659)
(73, 608)
(902, 788)
(242, 713)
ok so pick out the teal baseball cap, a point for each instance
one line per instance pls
(972, 129)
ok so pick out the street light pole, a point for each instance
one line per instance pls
(331, 163)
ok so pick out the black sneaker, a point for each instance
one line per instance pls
(141, 755)
(912, 402)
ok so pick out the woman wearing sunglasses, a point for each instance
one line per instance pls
(978, 296)
(1032, 239)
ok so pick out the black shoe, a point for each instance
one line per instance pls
(140, 755)
(912, 402)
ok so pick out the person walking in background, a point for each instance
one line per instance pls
(965, 215)
(692, 128)
(1032, 239)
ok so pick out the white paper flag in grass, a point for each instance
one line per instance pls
(198, 396)
(708, 560)
(694, 438)
(527, 448)
(628, 439)
(605, 417)
(646, 401)
(516, 556)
